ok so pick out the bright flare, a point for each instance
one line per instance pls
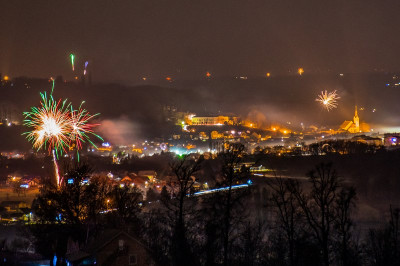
(328, 100)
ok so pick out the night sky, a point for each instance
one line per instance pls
(126, 40)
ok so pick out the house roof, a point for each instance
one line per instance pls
(126, 179)
(346, 124)
(140, 179)
(98, 243)
(107, 237)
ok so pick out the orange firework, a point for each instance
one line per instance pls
(328, 100)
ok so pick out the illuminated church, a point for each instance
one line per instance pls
(354, 126)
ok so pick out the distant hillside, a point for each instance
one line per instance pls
(277, 99)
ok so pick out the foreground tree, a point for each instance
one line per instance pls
(123, 204)
(346, 250)
(382, 245)
(232, 172)
(183, 170)
(326, 205)
(288, 213)
(69, 212)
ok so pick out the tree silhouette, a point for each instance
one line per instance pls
(321, 207)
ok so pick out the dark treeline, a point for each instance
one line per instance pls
(286, 222)
(375, 174)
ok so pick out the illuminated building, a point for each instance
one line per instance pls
(203, 135)
(104, 149)
(137, 150)
(354, 126)
(216, 135)
(213, 120)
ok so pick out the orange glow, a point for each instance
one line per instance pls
(268, 75)
(144, 78)
(300, 71)
(138, 150)
(76, 78)
(285, 131)
(168, 78)
(104, 149)
(5, 78)
(190, 146)
(208, 74)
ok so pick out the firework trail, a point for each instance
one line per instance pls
(328, 100)
(85, 70)
(72, 56)
(52, 85)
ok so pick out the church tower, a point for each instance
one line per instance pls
(356, 120)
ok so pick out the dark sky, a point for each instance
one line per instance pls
(127, 39)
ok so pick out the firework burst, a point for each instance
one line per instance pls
(57, 127)
(81, 129)
(50, 124)
(328, 100)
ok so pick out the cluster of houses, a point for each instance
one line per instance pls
(14, 210)
(17, 208)
(142, 180)
(23, 182)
